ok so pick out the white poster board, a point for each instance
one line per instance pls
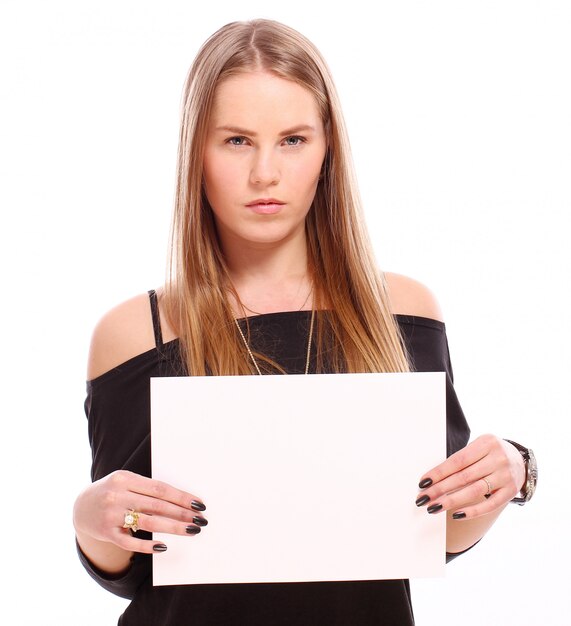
(305, 478)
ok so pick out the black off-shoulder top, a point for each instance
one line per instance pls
(118, 412)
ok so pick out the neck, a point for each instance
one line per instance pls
(269, 280)
(274, 262)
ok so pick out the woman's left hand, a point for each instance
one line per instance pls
(481, 478)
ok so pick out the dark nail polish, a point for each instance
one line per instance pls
(458, 515)
(192, 530)
(159, 547)
(423, 484)
(201, 521)
(434, 508)
(197, 506)
(422, 500)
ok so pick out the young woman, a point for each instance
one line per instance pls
(271, 273)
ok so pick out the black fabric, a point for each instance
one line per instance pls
(118, 411)
(156, 318)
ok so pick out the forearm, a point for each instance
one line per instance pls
(106, 557)
(462, 534)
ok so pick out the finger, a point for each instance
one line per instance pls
(465, 457)
(157, 524)
(136, 483)
(478, 492)
(498, 499)
(459, 480)
(117, 527)
(153, 506)
(471, 494)
(128, 542)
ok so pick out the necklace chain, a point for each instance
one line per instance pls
(258, 312)
(308, 352)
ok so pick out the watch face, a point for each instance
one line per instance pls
(531, 474)
(532, 467)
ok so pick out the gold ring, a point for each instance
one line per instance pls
(131, 520)
(489, 492)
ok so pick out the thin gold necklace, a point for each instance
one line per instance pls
(258, 312)
(308, 353)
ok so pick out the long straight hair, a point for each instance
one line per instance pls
(354, 325)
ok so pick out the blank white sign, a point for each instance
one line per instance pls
(305, 478)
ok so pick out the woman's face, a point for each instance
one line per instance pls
(265, 146)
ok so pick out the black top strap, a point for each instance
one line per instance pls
(156, 318)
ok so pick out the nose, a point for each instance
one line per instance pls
(265, 168)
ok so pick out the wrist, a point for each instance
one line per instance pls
(106, 557)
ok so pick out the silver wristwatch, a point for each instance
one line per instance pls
(530, 474)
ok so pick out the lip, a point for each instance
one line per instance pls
(265, 206)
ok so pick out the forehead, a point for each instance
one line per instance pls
(262, 97)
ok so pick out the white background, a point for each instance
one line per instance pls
(459, 118)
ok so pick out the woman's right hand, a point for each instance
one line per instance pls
(99, 515)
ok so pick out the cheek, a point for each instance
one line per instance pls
(219, 179)
(306, 173)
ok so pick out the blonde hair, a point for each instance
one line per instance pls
(354, 325)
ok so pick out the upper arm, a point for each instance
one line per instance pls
(410, 297)
(121, 334)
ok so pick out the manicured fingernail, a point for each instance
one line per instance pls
(434, 508)
(201, 521)
(197, 506)
(422, 500)
(459, 515)
(423, 484)
(192, 530)
(159, 547)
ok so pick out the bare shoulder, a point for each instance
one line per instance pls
(410, 297)
(121, 334)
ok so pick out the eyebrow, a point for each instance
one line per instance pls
(251, 133)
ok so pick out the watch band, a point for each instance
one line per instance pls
(530, 473)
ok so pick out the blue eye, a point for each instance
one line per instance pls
(236, 141)
(294, 140)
